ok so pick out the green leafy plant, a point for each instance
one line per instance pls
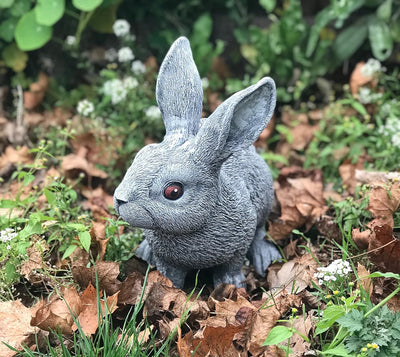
(360, 328)
(377, 334)
(299, 55)
(203, 50)
(27, 26)
(378, 23)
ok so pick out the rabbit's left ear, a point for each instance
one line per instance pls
(237, 122)
(179, 91)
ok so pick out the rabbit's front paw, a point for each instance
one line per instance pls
(144, 251)
(229, 275)
(262, 253)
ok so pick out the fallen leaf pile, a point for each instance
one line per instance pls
(300, 195)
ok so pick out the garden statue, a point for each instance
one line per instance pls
(202, 195)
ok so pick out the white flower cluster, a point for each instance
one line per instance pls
(372, 67)
(153, 112)
(70, 40)
(125, 54)
(205, 83)
(118, 89)
(391, 129)
(85, 107)
(121, 28)
(7, 234)
(366, 96)
(138, 67)
(338, 268)
(111, 55)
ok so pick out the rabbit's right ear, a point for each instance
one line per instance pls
(236, 123)
(179, 91)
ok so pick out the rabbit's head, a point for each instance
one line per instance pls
(174, 186)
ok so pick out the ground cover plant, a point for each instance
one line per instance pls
(70, 284)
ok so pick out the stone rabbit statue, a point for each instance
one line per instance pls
(202, 195)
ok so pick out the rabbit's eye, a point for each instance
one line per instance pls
(173, 191)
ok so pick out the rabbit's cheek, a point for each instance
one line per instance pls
(136, 215)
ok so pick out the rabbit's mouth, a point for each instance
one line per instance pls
(135, 215)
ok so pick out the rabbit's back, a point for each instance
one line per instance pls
(250, 168)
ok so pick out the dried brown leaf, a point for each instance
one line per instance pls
(130, 289)
(34, 261)
(265, 319)
(56, 315)
(357, 79)
(72, 165)
(303, 325)
(294, 275)
(384, 249)
(89, 316)
(107, 273)
(300, 194)
(366, 283)
(15, 328)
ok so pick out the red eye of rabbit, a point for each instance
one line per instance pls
(173, 191)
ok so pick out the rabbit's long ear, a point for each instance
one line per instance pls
(237, 122)
(179, 91)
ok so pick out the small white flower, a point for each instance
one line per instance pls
(138, 67)
(205, 83)
(70, 40)
(111, 55)
(125, 54)
(372, 67)
(85, 107)
(130, 83)
(8, 247)
(366, 96)
(338, 268)
(391, 129)
(153, 112)
(121, 28)
(7, 234)
(116, 89)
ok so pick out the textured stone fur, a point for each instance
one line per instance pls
(227, 186)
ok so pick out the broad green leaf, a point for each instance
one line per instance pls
(50, 196)
(268, 5)
(69, 251)
(250, 53)
(48, 12)
(20, 7)
(337, 351)
(28, 178)
(201, 30)
(321, 20)
(85, 240)
(350, 40)
(30, 229)
(104, 17)
(380, 39)
(7, 29)
(10, 271)
(6, 3)
(277, 335)
(330, 315)
(78, 226)
(385, 10)
(14, 58)
(378, 274)
(86, 5)
(29, 34)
